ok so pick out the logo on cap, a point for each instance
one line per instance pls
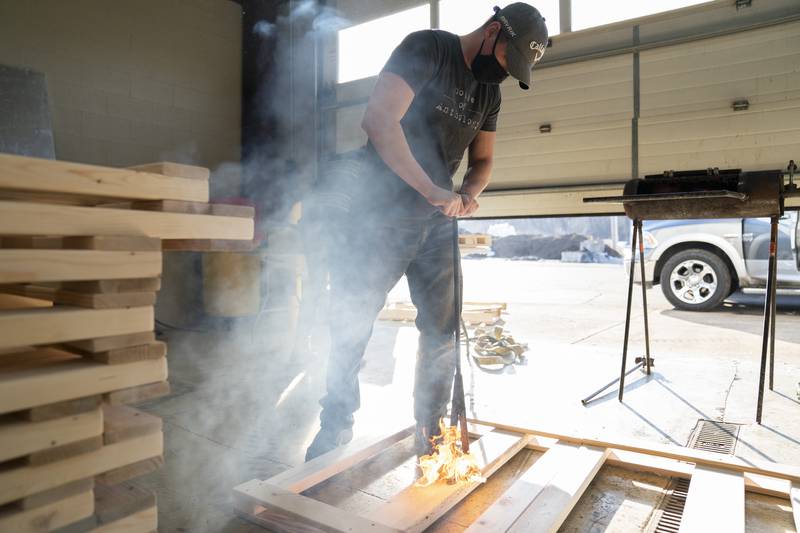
(539, 49)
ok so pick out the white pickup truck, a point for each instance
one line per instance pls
(699, 263)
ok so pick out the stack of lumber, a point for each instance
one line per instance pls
(80, 266)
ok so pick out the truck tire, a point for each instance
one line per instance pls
(695, 280)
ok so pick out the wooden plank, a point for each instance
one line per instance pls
(113, 285)
(79, 299)
(130, 354)
(699, 457)
(512, 504)
(48, 517)
(283, 510)
(306, 475)
(715, 502)
(663, 466)
(110, 243)
(18, 438)
(114, 342)
(131, 471)
(178, 170)
(795, 498)
(121, 423)
(415, 508)
(47, 176)
(134, 395)
(54, 495)
(195, 208)
(25, 481)
(113, 502)
(36, 266)
(212, 245)
(65, 451)
(61, 376)
(553, 504)
(23, 218)
(14, 301)
(145, 521)
(62, 324)
(56, 410)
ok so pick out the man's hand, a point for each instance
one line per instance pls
(448, 202)
(470, 205)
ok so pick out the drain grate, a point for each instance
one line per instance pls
(672, 512)
(713, 436)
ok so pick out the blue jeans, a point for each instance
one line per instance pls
(367, 257)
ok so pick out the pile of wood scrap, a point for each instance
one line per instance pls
(493, 347)
(78, 282)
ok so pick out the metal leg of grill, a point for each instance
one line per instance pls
(772, 322)
(634, 235)
(769, 315)
(644, 302)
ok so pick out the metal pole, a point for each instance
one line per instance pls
(636, 224)
(773, 320)
(644, 302)
(768, 305)
(459, 410)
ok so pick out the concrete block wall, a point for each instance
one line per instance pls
(134, 81)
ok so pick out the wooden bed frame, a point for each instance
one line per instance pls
(539, 500)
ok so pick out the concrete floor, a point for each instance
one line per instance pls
(244, 406)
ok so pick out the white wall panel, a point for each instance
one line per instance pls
(588, 105)
(686, 95)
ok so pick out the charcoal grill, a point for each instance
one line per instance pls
(697, 194)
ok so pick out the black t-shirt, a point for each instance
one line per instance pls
(449, 108)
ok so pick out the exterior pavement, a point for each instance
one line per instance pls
(244, 405)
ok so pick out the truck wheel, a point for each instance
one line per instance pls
(695, 280)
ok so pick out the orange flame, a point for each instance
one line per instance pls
(448, 462)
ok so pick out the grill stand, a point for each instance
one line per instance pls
(757, 194)
(645, 362)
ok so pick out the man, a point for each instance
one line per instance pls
(437, 96)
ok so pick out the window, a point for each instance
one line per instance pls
(364, 48)
(590, 13)
(463, 16)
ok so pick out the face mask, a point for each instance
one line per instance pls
(486, 68)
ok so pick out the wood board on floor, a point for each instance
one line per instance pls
(539, 501)
(472, 312)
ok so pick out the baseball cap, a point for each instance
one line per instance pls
(527, 39)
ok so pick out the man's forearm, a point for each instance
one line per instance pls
(477, 178)
(390, 142)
